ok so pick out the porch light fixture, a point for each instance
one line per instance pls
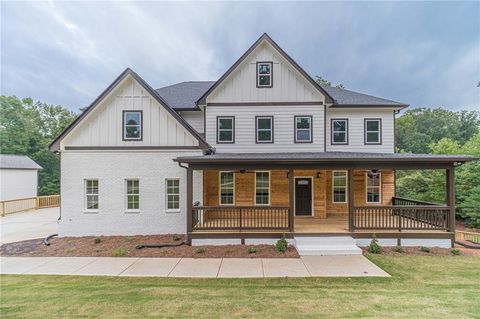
(319, 174)
(373, 173)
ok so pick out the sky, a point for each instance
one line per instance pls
(426, 54)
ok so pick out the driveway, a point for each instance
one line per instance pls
(32, 224)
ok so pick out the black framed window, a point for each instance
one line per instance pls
(339, 131)
(264, 129)
(132, 125)
(225, 129)
(303, 129)
(339, 186)
(264, 74)
(373, 131)
(374, 188)
(227, 188)
(262, 188)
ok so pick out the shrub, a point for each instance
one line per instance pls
(97, 240)
(398, 249)
(200, 250)
(252, 250)
(120, 252)
(425, 249)
(374, 247)
(176, 237)
(281, 245)
(139, 246)
(455, 251)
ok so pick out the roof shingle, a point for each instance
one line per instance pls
(17, 162)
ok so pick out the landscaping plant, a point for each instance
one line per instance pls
(120, 252)
(97, 240)
(425, 249)
(176, 238)
(281, 245)
(252, 250)
(374, 247)
(200, 250)
(398, 249)
(455, 251)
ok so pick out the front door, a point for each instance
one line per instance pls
(303, 197)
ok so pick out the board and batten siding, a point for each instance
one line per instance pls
(283, 133)
(104, 125)
(288, 84)
(195, 119)
(356, 118)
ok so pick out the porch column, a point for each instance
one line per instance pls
(291, 189)
(450, 183)
(189, 198)
(351, 203)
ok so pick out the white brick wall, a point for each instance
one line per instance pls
(111, 169)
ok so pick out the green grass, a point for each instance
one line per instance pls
(420, 287)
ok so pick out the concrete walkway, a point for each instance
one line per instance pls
(307, 266)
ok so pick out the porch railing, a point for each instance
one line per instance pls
(397, 201)
(240, 218)
(23, 204)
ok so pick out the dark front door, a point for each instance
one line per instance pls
(303, 197)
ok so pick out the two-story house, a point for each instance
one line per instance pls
(264, 151)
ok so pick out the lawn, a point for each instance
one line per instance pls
(420, 287)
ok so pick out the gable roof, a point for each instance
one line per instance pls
(266, 37)
(183, 96)
(8, 161)
(346, 98)
(55, 145)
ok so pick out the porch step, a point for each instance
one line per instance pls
(326, 245)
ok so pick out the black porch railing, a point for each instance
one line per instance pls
(396, 201)
(239, 218)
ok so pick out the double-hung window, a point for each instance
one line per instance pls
(132, 125)
(373, 131)
(339, 186)
(264, 74)
(262, 188)
(373, 186)
(173, 194)
(227, 188)
(133, 194)
(303, 129)
(339, 131)
(225, 129)
(264, 129)
(91, 194)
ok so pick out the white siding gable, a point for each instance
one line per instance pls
(103, 126)
(195, 119)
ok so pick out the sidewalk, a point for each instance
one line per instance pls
(307, 266)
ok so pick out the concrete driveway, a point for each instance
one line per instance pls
(32, 224)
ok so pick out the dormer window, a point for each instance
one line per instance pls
(264, 74)
(132, 125)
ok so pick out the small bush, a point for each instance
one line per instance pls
(374, 247)
(281, 245)
(398, 249)
(455, 251)
(176, 238)
(200, 250)
(120, 252)
(139, 246)
(252, 250)
(97, 240)
(425, 249)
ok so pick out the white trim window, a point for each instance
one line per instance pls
(373, 131)
(225, 129)
(91, 194)
(339, 131)
(264, 74)
(264, 125)
(173, 194)
(132, 125)
(227, 188)
(339, 186)
(132, 197)
(262, 188)
(373, 186)
(303, 129)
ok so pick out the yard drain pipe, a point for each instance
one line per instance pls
(46, 240)
(141, 246)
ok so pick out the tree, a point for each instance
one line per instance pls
(325, 82)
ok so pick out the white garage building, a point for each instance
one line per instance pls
(18, 177)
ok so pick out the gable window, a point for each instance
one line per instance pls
(264, 126)
(373, 187)
(303, 129)
(262, 188)
(339, 131)
(339, 186)
(173, 194)
(264, 74)
(133, 194)
(132, 125)
(91, 194)
(227, 188)
(225, 129)
(373, 131)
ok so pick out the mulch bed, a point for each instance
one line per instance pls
(434, 251)
(125, 246)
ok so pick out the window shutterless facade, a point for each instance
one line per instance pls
(264, 129)
(173, 194)
(303, 129)
(132, 125)
(225, 129)
(339, 186)
(227, 188)
(264, 74)
(339, 131)
(373, 131)
(132, 194)
(91, 194)
(262, 188)
(373, 186)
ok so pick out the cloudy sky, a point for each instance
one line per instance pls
(423, 54)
